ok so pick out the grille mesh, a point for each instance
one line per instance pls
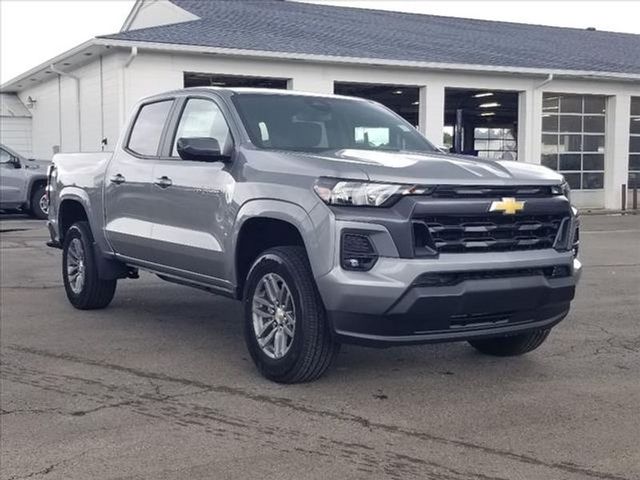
(486, 233)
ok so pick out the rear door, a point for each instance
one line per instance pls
(129, 198)
(193, 197)
(12, 179)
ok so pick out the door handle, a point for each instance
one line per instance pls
(117, 179)
(163, 182)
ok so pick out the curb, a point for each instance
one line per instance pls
(597, 211)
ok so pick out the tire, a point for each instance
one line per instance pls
(512, 345)
(306, 355)
(39, 203)
(91, 292)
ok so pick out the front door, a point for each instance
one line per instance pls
(129, 197)
(12, 179)
(193, 198)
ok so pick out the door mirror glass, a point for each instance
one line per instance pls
(200, 149)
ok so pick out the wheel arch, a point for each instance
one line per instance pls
(34, 182)
(262, 224)
(71, 209)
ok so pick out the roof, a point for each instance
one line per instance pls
(269, 91)
(12, 106)
(322, 30)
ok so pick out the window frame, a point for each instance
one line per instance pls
(166, 151)
(163, 133)
(633, 117)
(13, 158)
(489, 138)
(559, 133)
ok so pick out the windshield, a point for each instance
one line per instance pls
(316, 124)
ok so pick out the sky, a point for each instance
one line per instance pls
(33, 31)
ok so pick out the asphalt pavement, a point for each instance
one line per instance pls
(160, 386)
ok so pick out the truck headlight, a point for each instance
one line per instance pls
(364, 194)
(562, 189)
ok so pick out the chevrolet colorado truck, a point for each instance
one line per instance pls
(330, 218)
(23, 183)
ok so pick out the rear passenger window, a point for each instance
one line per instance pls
(147, 129)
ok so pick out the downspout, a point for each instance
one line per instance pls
(532, 118)
(132, 55)
(123, 97)
(549, 79)
(78, 113)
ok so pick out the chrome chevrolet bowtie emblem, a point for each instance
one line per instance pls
(508, 206)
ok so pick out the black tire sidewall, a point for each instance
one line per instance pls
(36, 211)
(81, 232)
(272, 262)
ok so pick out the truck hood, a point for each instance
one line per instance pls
(437, 168)
(34, 164)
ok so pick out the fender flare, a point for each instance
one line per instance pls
(78, 195)
(108, 268)
(278, 210)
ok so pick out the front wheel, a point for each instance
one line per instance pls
(40, 203)
(85, 289)
(286, 329)
(512, 345)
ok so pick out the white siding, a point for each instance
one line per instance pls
(15, 132)
(69, 116)
(45, 126)
(111, 73)
(55, 113)
(15, 124)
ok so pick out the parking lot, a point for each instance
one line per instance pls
(159, 385)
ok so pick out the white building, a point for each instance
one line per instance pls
(566, 98)
(15, 124)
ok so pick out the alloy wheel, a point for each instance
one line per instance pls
(273, 313)
(76, 266)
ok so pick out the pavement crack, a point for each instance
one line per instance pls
(31, 411)
(44, 471)
(81, 413)
(583, 471)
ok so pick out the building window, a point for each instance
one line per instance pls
(634, 144)
(495, 143)
(573, 128)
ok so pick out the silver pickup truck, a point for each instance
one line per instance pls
(23, 183)
(330, 218)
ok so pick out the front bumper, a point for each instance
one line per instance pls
(386, 306)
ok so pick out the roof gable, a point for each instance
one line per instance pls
(12, 106)
(153, 13)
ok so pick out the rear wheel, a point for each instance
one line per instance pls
(40, 203)
(286, 329)
(85, 289)
(512, 345)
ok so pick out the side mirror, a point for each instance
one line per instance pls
(15, 161)
(200, 149)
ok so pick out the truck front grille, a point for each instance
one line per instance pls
(486, 233)
(481, 191)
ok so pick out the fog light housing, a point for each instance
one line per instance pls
(357, 252)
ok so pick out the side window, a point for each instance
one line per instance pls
(148, 126)
(202, 118)
(4, 156)
(372, 136)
